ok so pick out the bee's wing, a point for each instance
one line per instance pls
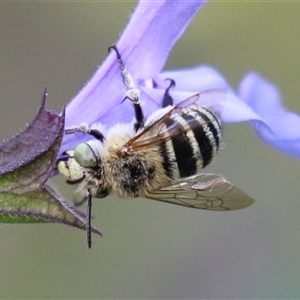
(213, 99)
(159, 130)
(203, 191)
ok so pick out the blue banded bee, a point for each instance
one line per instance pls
(157, 158)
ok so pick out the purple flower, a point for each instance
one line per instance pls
(264, 99)
(145, 44)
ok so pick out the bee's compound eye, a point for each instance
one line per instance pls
(85, 155)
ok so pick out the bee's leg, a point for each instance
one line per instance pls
(132, 93)
(88, 225)
(139, 116)
(85, 129)
(167, 99)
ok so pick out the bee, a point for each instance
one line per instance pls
(158, 158)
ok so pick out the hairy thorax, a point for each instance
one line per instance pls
(132, 173)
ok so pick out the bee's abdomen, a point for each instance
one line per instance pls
(195, 136)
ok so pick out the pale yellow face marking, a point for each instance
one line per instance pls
(70, 168)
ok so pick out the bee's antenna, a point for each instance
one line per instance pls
(132, 93)
(88, 220)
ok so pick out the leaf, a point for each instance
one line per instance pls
(26, 162)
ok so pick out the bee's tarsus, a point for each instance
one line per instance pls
(172, 83)
(167, 99)
(114, 47)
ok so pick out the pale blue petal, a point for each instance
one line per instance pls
(199, 79)
(145, 44)
(264, 98)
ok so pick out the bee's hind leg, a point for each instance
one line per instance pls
(86, 129)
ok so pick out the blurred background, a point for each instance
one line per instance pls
(150, 249)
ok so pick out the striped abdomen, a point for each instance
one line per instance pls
(197, 139)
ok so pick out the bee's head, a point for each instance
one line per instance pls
(88, 156)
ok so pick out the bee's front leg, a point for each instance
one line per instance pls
(86, 129)
(132, 92)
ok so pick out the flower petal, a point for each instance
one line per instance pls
(203, 78)
(196, 79)
(145, 45)
(264, 98)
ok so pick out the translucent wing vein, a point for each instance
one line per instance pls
(203, 191)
